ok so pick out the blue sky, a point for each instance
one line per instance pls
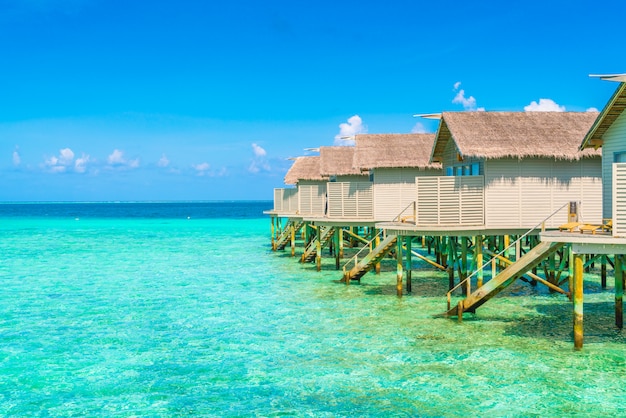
(198, 100)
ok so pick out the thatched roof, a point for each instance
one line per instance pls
(492, 135)
(609, 114)
(304, 168)
(394, 151)
(337, 161)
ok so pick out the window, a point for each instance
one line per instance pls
(472, 169)
(619, 157)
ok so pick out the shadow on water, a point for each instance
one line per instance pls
(554, 321)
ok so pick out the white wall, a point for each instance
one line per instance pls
(394, 190)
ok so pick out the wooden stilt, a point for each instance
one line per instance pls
(377, 267)
(340, 244)
(463, 258)
(533, 243)
(463, 274)
(552, 268)
(409, 263)
(619, 291)
(399, 272)
(603, 271)
(272, 229)
(578, 301)
(450, 258)
(570, 255)
(293, 240)
(478, 256)
(318, 249)
(338, 233)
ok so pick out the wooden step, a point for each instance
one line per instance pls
(372, 258)
(507, 276)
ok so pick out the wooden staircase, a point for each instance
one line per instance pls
(505, 278)
(285, 236)
(311, 250)
(370, 260)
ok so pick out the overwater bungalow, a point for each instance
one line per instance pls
(307, 197)
(607, 236)
(394, 161)
(348, 205)
(504, 174)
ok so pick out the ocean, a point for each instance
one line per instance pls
(182, 309)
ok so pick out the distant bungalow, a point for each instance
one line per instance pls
(394, 162)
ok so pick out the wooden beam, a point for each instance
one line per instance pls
(578, 301)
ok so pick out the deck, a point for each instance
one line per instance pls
(598, 243)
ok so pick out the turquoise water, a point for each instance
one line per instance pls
(113, 314)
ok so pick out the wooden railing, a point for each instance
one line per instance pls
(468, 280)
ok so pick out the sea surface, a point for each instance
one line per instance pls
(182, 309)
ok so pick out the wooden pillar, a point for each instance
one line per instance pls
(377, 242)
(423, 241)
(293, 240)
(409, 263)
(619, 291)
(338, 233)
(570, 270)
(478, 255)
(463, 258)
(272, 229)
(552, 269)
(603, 271)
(450, 264)
(518, 250)
(318, 249)
(578, 301)
(340, 244)
(399, 273)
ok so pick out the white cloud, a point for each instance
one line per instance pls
(66, 156)
(419, 128)
(544, 105)
(116, 159)
(347, 131)
(259, 161)
(163, 161)
(202, 169)
(258, 151)
(61, 163)
(80, 165)
(17, 160)
(592, 109)
(469, 103)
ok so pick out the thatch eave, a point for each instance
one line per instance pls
(611, 111)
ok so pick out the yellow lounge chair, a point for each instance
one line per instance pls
(590, 228)
(570, 226)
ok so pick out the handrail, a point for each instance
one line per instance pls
(398, 217)
(468, 278)
(320, 232)
(369, 244)
(355, 256)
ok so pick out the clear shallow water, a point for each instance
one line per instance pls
(143, 312)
